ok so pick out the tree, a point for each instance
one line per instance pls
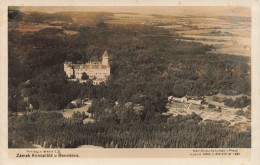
(101, 24)
(84, 76)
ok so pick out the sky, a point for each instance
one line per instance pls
(160, 10)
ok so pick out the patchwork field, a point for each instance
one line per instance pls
(228, 35)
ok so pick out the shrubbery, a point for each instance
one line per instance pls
(239, 102)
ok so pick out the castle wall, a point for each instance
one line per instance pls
(98, 71)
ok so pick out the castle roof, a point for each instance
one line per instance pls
(89, 66)
(105, 54)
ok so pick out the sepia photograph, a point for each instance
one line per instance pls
(129, 77)
(129, 82)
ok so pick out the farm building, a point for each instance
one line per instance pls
(176, 99)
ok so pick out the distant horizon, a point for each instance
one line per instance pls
(146, 10)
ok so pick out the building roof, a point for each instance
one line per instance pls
(89, 66)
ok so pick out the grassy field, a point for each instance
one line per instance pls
(67, 113)
(226, 114)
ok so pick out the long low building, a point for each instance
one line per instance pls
(176, 99)
(197, 102)
(184, 100)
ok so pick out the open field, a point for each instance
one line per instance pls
(228, 35)
(226, 114)
(67, 113)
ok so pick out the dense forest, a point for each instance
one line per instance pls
(52, 130)
(147, 65)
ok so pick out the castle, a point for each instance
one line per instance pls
(96, 71)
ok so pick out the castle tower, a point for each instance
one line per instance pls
(68, 69)
(66, 66)
(105, 59)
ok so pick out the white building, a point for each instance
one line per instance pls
(97, 71)
(196, 102)
(176, 99)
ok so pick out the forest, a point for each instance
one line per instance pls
(52, 130)
(147, 64)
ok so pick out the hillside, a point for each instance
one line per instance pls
(148, 64)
